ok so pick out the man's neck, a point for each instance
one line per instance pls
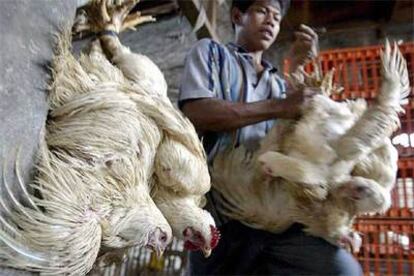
(257, 61)
(256, 56)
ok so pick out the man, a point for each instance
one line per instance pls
(232, 96)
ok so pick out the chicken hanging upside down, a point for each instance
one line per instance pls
(181, 176)
(336, 162)
(113, 169)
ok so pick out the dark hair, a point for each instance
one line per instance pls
(243, 5)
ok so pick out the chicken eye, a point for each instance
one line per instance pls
(198, 236)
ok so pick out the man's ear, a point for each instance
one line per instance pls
(236, 16)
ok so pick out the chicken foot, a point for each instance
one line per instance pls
(101, 14)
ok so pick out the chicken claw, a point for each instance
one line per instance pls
(109, 15)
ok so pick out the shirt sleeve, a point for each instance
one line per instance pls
(199, 78)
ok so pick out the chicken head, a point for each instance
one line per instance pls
(194, 240)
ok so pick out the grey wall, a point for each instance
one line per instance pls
(26, 42)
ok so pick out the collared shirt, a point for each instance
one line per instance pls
(227, 72)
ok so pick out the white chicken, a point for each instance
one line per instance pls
(60, 234)
(103, 132)
(181, 172)
(181, 176)
(94, 177)
(336, 162)
(62, 231)
(182, 179)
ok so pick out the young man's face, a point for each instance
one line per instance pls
(258, 27)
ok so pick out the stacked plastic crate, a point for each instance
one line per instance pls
(388, 240)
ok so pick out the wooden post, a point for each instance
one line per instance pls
(212, 13)
(191, 9)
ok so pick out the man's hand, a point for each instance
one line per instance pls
(296, 100)
(305, 47)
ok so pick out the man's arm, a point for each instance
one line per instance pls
(211, 114)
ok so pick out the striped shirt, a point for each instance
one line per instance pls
(227, 72)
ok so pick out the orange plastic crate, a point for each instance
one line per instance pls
(387, 244)
(403, 192)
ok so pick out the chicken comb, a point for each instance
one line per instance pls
(215, 236)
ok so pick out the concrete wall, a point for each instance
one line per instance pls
(27, 28)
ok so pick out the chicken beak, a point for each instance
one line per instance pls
(207, 252)
(159, 252)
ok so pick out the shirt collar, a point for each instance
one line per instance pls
(237, 48)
